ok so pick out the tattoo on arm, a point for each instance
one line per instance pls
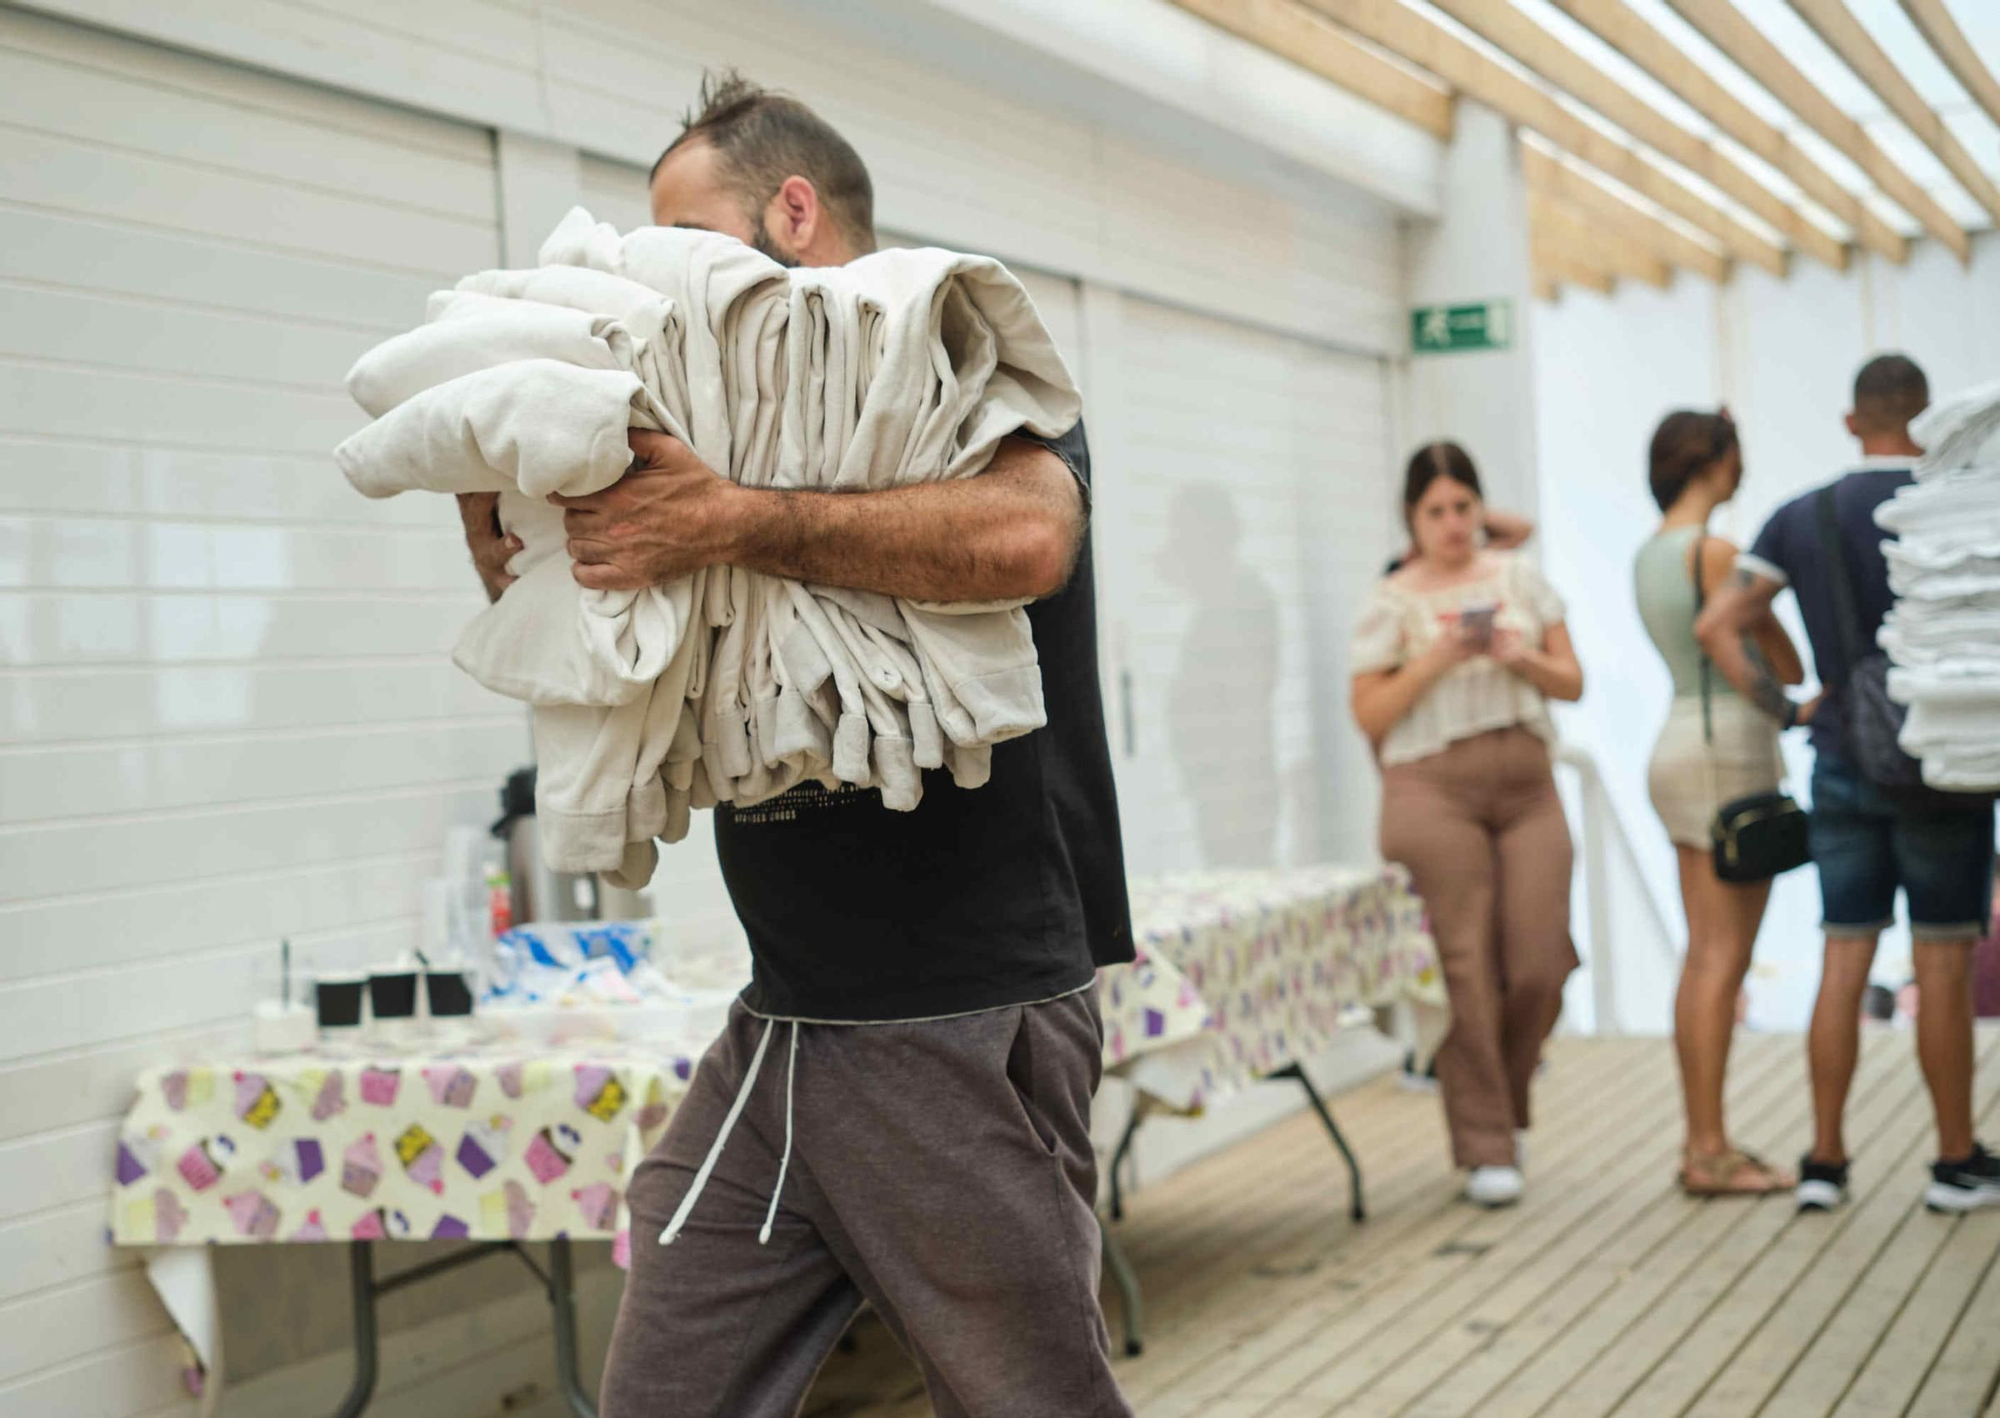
(1767, 692)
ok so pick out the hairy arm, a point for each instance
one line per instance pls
(491, 545)
(1011, 532)
(1727, 630)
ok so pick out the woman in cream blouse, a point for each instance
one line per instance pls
(1455, 658)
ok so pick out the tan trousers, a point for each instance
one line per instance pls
(1482, 831)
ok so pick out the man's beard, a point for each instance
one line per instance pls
(760, 240)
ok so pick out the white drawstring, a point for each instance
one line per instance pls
(785, 1161)
(728, 1125)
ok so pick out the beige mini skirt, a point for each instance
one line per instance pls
(1690, 777)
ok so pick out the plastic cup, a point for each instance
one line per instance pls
(337, 999)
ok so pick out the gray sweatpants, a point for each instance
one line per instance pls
(942, 1171)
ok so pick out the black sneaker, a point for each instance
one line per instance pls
(1822, 1185)
(1965, 1185)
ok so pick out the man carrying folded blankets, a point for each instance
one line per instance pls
(898, 1109)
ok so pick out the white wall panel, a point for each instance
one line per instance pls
(1114, 168)
(1242, 511)
(1024, 180)
(227, 714)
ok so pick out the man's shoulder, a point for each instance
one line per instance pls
(1864, 489)
(1070, 446)
(1797, 512)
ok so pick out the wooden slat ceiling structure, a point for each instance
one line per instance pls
(1663, 136)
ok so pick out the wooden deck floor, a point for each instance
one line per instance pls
(1604, 1292)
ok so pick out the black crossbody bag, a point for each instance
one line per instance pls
(1759, 836)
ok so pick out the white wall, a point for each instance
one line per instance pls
(975, 137)
(226, 710)
(1476, 251)
(1782, 355)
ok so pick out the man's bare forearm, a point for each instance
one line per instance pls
(1764, 687)
(1009, 533)
(1728, 633)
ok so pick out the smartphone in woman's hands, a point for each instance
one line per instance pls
(1475, 623)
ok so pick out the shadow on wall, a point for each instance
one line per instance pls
(1222, 700)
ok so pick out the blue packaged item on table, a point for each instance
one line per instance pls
(544, 960)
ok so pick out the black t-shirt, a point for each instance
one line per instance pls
(980, 898)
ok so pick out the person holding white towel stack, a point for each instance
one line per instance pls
(898, 1108)
(1870, 838)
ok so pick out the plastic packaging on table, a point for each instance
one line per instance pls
(566, 983)
(554, 961)
(682, 1024)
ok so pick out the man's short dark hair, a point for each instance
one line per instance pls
(1889, 391)
(763, 137)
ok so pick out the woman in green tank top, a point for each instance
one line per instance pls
(1716, 747)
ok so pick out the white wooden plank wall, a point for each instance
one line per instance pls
(226, 709)
(1025, 179)
(1243, 510)
(1010, 163)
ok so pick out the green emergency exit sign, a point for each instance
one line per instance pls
(1441, 329)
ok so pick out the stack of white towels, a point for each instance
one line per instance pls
(1943, 635)
(903, 367)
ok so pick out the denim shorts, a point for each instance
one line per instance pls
(1866, 846)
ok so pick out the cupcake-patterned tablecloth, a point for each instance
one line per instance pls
(1243, 972)
(1239, 973)
(315, 1148)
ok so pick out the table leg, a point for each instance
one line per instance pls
(1293, 1071)
(1128, 1290)
(562, 1300)
(1118, 1157)
(362, 1269)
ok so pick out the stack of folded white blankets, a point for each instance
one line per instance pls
(1943, 635)
(728, 686)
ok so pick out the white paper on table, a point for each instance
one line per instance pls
(184, 1279)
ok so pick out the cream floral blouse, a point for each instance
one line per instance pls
(1398, 624)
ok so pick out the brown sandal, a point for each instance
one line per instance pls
(1732, 1173)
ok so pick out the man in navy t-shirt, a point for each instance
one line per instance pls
(1865, 843)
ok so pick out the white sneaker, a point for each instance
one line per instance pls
(1494, 1186)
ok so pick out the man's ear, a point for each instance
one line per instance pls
(1854, 426)
(796, 212)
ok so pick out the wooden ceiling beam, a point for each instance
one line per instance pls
(1566, 228)
(1948, 42)
(1512, 32)
(1725, 27)
(1621, 27)
(1292, 32)
(1566, 185)
(1833, 22)
(1428, 45)
(1552, 266)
